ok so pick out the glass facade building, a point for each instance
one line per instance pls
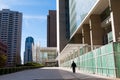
(79, 9)
(96, 25)
(28, 50)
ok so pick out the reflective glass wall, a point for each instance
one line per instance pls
(78, 10)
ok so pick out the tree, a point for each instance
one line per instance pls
(3, 60)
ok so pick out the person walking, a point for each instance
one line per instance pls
(73, 65)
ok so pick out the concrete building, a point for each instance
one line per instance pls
(10, 34)
(94, 32)
(51, 29)
(28, 55)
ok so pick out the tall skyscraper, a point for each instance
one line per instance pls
(51, 29)
(63, 31)
(10, 34)
(28, 50)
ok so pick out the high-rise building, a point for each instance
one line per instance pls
(94, 27)
(51, 29)
(10, 34)
(28, 56)
(63, 31)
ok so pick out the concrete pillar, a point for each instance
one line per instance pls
(78, 52)
(115, 19)
(86, 34)
(73, 54)
(96, 31)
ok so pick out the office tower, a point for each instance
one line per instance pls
(10, 34)
(63, 31)
(51, 29)
(95, 26)
(28, 50)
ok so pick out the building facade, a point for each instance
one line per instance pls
(48, 56)
(45, 55)
(28, 55)
(63, 31)
(94, 36)
(10, 34)
(51, 29)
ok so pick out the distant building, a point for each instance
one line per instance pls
(28, 50)
(48, 56)
(3, 54)
(45, 55)
(36, 51)
(10, 34)
(51, 29)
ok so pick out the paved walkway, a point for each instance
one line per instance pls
(49, 73)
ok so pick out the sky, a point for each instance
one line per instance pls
(34, 22)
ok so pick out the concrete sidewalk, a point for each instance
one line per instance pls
(49, 73)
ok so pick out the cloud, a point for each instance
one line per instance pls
(43, 42)
(3, 5)
(34, 17)
(28, 2)
(7, 4)
(18, 2)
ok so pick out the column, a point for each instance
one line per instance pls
(96, 31)
(86, 34)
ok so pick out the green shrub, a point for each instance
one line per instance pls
(15, 69)
(33, 64)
